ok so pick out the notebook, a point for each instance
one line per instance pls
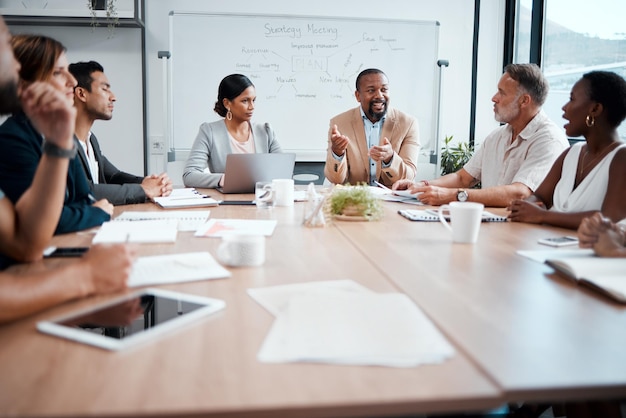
(430, 215)
(244, 170)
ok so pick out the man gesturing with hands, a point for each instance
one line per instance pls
(372, 142)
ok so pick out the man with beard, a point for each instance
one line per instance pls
(94, 100)
(373, 142)
(27, 227)
(514, 158)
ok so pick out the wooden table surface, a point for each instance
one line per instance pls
(539, 336)
(210, 367)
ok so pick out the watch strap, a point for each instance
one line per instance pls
(54, 150)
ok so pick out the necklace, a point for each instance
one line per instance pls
(600, 155)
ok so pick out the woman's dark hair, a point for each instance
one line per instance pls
(609, 89)
(230, 87)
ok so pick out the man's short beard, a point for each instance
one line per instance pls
(377, 115)
(9, 102)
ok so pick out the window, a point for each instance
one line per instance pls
(578, 37)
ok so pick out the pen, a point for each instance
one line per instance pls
(382, 185)
(91, 198)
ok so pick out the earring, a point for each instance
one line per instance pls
(229, 115)
(590, 121)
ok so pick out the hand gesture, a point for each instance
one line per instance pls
(339, 142)
(382, 153)
(50, 112)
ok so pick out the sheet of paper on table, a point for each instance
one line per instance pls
(175, 268)
(348, 324)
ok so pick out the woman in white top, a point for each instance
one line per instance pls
(231, 135)
(589, 176)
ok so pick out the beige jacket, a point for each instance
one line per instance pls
(402, 132)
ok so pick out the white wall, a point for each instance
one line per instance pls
(121, 138)
(121, 57)
(455, 45)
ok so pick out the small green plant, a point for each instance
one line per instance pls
(110, 7)
(355, 201)
(453, 158)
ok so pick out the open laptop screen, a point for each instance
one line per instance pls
(244, 170)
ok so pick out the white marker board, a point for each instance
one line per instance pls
(304, 69)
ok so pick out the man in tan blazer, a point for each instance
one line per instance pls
(372, 142)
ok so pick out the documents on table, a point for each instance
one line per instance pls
(431, 215)
(150, 231)
(185, 198)
(541, 256)
(219, 227)
(276, 298)
(344, 323)
(403, 196)
(188, 220)
(175, 268)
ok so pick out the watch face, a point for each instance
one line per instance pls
(461, 196)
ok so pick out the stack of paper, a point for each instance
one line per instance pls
(220, 227)
(188, 220)
(541, 256)
(385, 193)
(150, 231)
(185, 198)
(175, 268)
(342, 323)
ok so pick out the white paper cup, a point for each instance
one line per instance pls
(465, 220)
(238, 250)
(283, 189)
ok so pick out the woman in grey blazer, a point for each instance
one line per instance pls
(233, 134)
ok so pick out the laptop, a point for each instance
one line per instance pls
(244, 170)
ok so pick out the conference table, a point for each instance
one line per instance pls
(520, 333)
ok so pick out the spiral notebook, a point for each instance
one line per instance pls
(188, 220)
(430, 215)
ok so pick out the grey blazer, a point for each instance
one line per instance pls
(116, 186)
(211, 147)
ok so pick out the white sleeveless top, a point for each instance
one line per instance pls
(589, 195)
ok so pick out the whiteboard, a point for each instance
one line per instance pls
(304, 69)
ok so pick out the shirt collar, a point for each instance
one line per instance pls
(533, 125)
(364, 117)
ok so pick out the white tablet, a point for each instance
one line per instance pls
(131, 319)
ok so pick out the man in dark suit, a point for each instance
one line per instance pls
(94, 100)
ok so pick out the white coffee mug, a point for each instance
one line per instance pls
(237, 250)
(283, 191)
(465, 219)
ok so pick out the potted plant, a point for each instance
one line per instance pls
(354, 203)
(453, 158)
(110, 8)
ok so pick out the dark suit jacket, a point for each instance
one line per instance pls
(19, 158)
(116, 186)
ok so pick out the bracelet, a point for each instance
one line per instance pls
(54, 150)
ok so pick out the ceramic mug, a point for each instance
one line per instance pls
(284, 190)
(465, 219)
(237, 250)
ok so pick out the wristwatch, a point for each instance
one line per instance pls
(461, 195)
(54, 150)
